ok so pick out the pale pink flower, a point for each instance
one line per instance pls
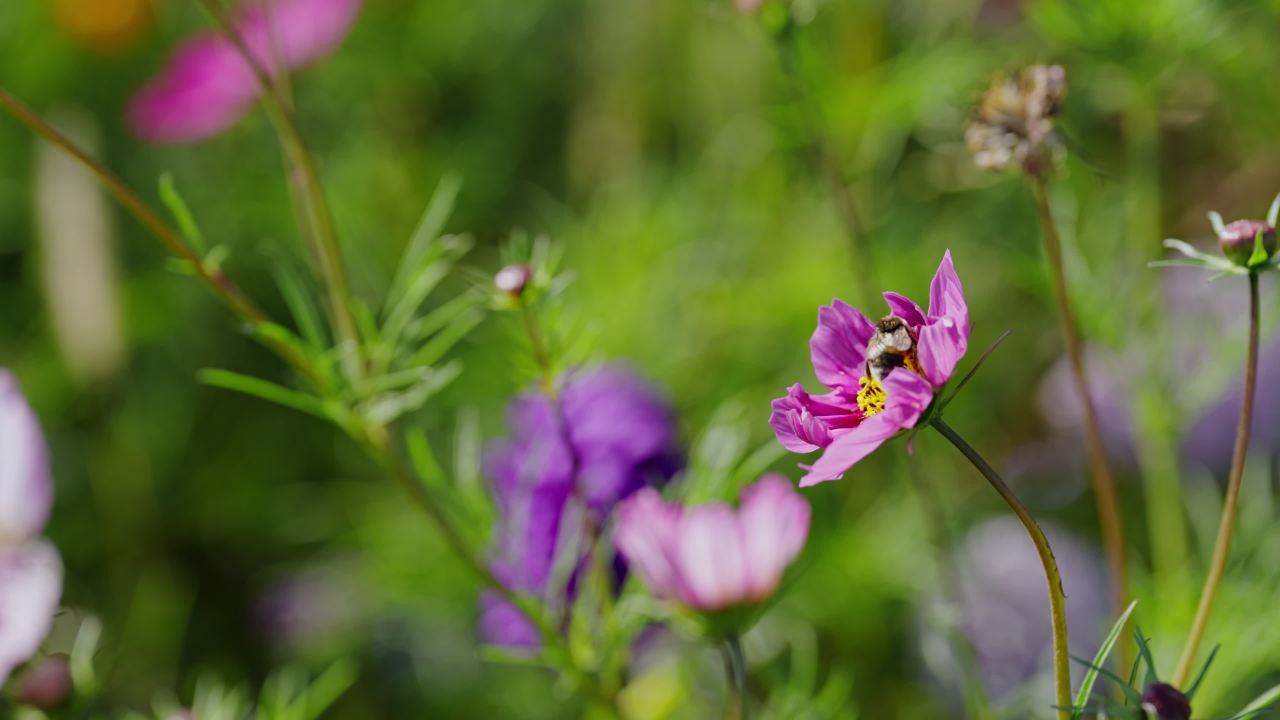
(711, 557)
(209, 85)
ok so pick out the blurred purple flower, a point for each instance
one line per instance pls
(709, 557)
(607, 435)
(30, 569)
(208, 84)
(1003, 599)
(869, 401)
(310, 606)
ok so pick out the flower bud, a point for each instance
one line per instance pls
(1237, 239)
(513, 279)
(1166, 702)
(46, 685)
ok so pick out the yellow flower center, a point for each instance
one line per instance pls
(870, 396)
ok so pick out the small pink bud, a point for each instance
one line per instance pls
(1237, 239)
(46, 685)
(513, 279)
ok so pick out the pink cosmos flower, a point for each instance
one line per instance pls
(30, 570)
(709, 557)
(209, 85)
(881, 375)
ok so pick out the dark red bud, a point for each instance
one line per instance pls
(47, 684)
(1166, 701)
(1237, 239)
(513, 279)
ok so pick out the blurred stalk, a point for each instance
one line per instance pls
(824, 160)
(932, 507)
(1057, 598)
(1104, 487)
(1222, 546)
(211, 275)
(735, 669)
(1158, 428)
(315, 221)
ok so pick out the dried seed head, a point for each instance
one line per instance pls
(1013, 124)
(1166, 702)
(513, 279)
(1237, 239)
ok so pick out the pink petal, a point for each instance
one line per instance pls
(303, 30)
(907, 394)
(946, 296)
(208, 85)
(206, 88)
(30, 585)
(646, 528)
(775, 524)
(804, 423)
(939, 347)
(26, 487)
(711, 559)
(905, 308)
(839, 345)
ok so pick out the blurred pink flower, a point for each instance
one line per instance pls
(709, 557)
(30, 570)
(882, 375)
(208, 84)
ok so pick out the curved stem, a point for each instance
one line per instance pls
(1057, 598)
(1104, 486)
(1222, 547)
(735, 668)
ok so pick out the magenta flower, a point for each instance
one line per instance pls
(209, 85)
(882, 376)
(30, 570)
(709, 557)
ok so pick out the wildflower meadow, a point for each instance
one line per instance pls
(641, 359)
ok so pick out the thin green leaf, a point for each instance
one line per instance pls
(433, 321)
(1260, 703)
(388, 407)
(1144, 651)
(442, 342)
(264, 390)
(1100, 659)
(1191, 693)
(302, 306)
(1127, 688)
(424, 458)
(429, 228)
(181, 213)
(439, 260)
(325, 690)
(1259, 256)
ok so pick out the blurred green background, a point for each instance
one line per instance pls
(660, 143)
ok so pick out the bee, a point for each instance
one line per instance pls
(890, 347)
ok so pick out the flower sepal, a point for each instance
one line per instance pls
(1247, 246)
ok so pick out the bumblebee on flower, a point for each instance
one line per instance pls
(882, 376)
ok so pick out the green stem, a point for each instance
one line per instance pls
(315, 220)
(1222, 547)
(1057, 598)
(1104, 486)
(212, 276)
(735, 668)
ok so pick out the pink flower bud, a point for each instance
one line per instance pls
(513, 279)
(1237, 239)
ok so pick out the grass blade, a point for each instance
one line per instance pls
(264, 390)
(1086, 687)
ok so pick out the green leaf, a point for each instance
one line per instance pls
(1144, 651)
(1191, 693)
(302, 306)
(390, 406)
(264, 390)
(435, 348)
(1127, 688)
(1259, 256)
(429, 228)
(326, 689)
(181, 213)
(1100, 659)
(437, 263)
(1260, 703)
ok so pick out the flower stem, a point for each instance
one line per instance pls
(1057, 598)
(315, 220)
(735, 668)
(1104, 487)
(213, 277)
(824, 158)
(1222, 547)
